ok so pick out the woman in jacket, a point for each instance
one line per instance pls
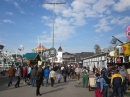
(39, 81)
(52, 75)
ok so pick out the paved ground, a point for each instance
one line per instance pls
(68, 89)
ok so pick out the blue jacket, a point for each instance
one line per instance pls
(46, 72)
(102, 83)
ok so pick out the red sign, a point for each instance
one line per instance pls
(118, 60)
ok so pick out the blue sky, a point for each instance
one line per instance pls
(79, 24)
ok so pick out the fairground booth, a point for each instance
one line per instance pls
(32, 58)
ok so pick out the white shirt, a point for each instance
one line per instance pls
(52, 74)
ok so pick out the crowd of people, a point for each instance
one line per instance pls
(112, 77)
(42, 75)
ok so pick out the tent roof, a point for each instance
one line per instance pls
(39, 48)
(31, 56)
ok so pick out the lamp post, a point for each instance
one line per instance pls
(21, 48)
(53, 3)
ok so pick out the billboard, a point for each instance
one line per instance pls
(126, 48)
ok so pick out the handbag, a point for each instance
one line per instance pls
(54, 78)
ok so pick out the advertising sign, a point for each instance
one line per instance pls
(126, 48)
(128, 32)
(52, 52)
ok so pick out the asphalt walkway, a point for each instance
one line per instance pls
(69, 89)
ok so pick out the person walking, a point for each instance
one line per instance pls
(25, 74)
(72, 72)
(59, 75)
(69, 70)
(46, 73)
(78, 71)
(85, 78)
(64, 73)
(116, 83)
(28, 74)
(11, 74)
(103, 86)
(18, 75)
(39, 78)
(52, 76)
(32, 76)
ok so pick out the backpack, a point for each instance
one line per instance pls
(37, 77)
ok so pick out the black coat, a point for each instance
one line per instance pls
(65, 71)
(38, 82)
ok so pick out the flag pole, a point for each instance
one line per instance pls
(117, 39)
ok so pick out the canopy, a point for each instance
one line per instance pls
(39, 49)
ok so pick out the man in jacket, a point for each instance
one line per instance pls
(64, 73)
(46, 73)
(11, 73)
(33, 75)
(116, 82)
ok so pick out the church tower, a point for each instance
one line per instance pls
(59, 55)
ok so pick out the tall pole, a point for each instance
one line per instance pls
(53, 3)
(53, 36)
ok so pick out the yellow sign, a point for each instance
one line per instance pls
(126, 48)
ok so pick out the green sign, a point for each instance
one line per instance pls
(52, 52)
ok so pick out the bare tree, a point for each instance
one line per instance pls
(97, 49)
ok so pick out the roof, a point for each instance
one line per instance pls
(60, 49)
(96, 55)
(39, 48)
(83, 55)
(68, 55)
(31, 56)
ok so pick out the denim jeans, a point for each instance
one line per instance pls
(118, 90)
(10, 80)
(18, 81)
(32, 81)
(105, 89)
(64, 78)
(46, 80)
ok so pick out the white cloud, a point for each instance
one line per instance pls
(101, 6)
(103, 25)
(121, 35)
(45, 17)
(22, 12)
(9, 13)
(62, 30)
(79, 5)
(121, 21)
(16, 5)
(122, 5)
(8, 21)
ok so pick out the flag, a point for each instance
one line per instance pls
(114, 40)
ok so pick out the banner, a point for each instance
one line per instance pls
(126, 48)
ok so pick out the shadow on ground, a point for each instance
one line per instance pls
(59, 89)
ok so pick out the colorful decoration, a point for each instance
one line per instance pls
(128, 32)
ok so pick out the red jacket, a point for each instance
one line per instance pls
(25, 71)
